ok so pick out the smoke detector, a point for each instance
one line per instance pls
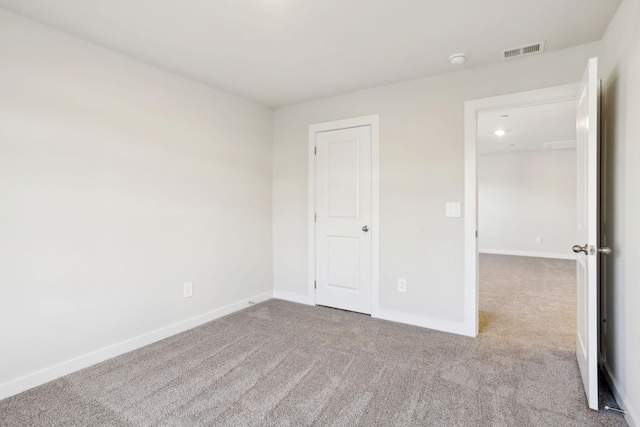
(458, 58)
(526, 50)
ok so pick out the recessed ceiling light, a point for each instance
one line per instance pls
(500, 132)
(458, 58)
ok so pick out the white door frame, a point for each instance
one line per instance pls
(372, 121)
(471, 109)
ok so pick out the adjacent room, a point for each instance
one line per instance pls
(322, 213)
(527, 181)
(527, 208)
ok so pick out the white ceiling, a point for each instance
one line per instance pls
(279, 52)
(533, 128)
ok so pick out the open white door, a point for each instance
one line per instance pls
(587, 248)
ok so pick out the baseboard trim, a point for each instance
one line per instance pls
(291, 297)
(51, 373)
(631, 416)
(528, 254)
(424, 322)
(393, 316)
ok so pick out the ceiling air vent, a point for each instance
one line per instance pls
(529, 49)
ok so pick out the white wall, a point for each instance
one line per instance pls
(524, 195)
(119, 182)
(621, 151)
(421, 168)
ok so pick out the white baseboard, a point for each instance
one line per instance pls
(631, 416)
(529, 254)
(425, 322)
(291, 297)
(51, 373)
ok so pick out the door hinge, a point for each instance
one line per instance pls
(315, 217)
(315, 150)
(476, 233)
(314, 284)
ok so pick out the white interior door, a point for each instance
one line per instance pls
(587, 247)
(343, 219)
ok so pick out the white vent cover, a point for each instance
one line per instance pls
(529, 49)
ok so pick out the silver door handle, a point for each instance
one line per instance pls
(577, 249)
(605, 251)
(365, 228)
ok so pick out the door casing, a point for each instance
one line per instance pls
(373, 121)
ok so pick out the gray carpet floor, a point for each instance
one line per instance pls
(284, 364)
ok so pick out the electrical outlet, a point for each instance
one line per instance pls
(402, 285)
(188, 289)
(538, 239)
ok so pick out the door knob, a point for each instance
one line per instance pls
(605, 251)
(365, 228)
(577, 249)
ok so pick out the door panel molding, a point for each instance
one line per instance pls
(373, 121)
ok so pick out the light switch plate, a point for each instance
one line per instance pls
(453, 210)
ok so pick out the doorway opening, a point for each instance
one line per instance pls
(494, 108)
(527, 200)
(586, 219)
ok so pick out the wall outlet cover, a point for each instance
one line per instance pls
(402, 284)
(188, 289)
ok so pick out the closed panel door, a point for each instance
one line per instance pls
(343, 219)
